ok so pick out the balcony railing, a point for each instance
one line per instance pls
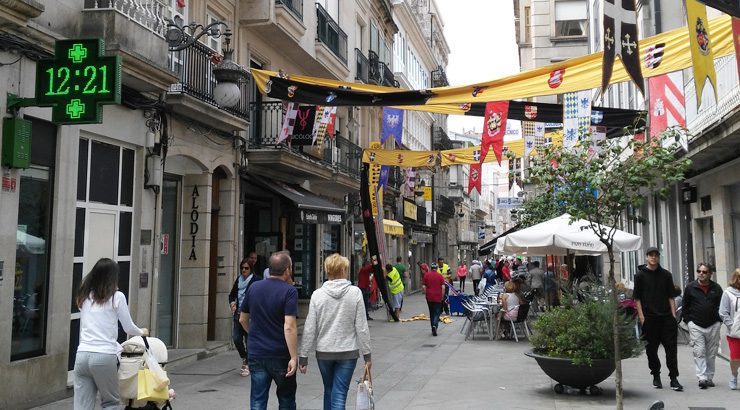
(266, 122)
(295, 6)
(363, 67)
(150, 14)
(329, 33)
(439, 77)
(194, 66)
(711, 112)
(380, 73)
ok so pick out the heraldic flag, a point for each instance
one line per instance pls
(494, 128)
(620, 39)
(702, 56)
(392, 125)
(474, 178)
(667, 103)
(736, 40)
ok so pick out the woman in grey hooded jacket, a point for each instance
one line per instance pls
(336, 326)
(728, 307)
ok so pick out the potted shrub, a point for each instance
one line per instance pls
(574, 345)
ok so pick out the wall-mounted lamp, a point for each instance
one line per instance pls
(228, 74)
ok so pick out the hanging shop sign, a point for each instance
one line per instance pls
(409, 210)
(509, 202)
(78, 81)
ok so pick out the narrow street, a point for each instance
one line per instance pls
(413, 370)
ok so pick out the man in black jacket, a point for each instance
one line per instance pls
(701, 300)
(656, 309)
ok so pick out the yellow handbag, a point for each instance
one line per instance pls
(148, 387)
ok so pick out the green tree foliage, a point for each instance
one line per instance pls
(598, 183)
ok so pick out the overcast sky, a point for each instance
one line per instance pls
(480, 34)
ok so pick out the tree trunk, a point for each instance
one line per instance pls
(619, 393)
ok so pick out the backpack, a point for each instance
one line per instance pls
(735, 328)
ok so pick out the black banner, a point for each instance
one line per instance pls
(372, 240)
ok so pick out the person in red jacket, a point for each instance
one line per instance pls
(364, 282)
(433, 285)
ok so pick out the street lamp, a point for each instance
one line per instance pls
(228, 74)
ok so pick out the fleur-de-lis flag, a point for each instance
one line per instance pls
(702, 56)
(620, 39)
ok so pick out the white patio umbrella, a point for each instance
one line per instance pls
(558, 236)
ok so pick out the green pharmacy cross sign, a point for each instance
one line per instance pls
(78, 81)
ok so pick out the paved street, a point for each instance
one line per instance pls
(413, 370)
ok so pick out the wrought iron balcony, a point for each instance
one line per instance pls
(380, 73)
(148, 14)
(295, 6)
(194, 65)
(329, 33)
(266, 121)
(440, 140)
(363, 67)
(439, 77)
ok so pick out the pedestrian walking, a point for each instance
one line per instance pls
(444, 270)
(701, 300)
(537, 282)
(729, 311)
(337, 329)
(476, 273)
(395, 286)
(268, 315)
(101, 307)
(405, 274)
(462, 273)
(433, 286)
(365, 277)
(243, 281)
(656, 310)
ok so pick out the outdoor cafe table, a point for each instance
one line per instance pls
(492, 307)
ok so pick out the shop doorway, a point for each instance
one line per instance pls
(214, 262)
(166, 285)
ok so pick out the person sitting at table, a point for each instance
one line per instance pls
(510, 302)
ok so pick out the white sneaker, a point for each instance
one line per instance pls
(733, 383)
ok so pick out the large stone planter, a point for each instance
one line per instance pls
(580, 377)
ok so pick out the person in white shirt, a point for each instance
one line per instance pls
(101, 306)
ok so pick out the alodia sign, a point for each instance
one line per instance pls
(78, 81)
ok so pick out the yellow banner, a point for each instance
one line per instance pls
(702, 45)
(576, 74)
(400, 158)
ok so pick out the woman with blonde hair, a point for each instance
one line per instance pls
(336, 326)
(728, 307)
(510, 302)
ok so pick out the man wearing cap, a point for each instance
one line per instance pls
(654, 292)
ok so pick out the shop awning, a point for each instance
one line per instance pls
(313, 208)
(392, 227)
(489, 246)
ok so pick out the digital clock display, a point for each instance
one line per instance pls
(78, 81)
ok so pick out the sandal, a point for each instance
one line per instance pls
(244, 372)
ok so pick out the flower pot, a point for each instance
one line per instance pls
(566, 373)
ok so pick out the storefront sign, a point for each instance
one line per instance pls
(509, 202)
(422, 237)
(165, 244)
(319, 217)
(427, 193)
(194, 222)
(409, 210)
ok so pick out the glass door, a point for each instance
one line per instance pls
(166, 295)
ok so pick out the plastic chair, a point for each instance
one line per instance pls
(474, 314)
(521, 320)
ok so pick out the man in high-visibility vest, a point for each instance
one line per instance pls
(395, 286)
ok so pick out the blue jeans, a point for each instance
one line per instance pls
(264, 371)
(337, 376)
(240, 339)
(435, 309)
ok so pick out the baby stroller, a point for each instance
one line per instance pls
(133, 358)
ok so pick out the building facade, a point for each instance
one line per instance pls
(175, 187)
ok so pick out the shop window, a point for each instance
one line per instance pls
(33, 237)
(82, 171)
(105, 160)
(570, 18)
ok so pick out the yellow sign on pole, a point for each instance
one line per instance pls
(427, 193)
